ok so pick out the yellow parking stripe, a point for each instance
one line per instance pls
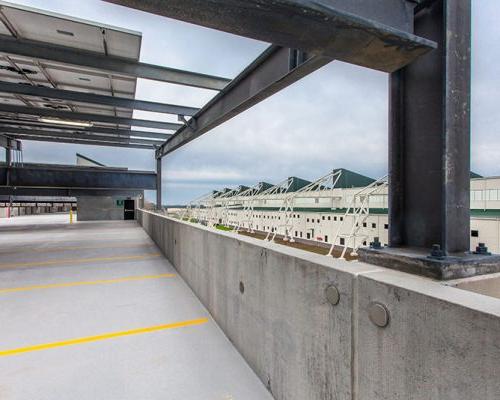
(104, 336)
(24, 250)
(85, 283)
(78, 260)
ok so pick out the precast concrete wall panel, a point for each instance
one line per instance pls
(271, 304)
(440, 342)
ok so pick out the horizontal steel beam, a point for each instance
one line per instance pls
(374, 34)
(70, 135)
(83, 141)
(45, 112)
(82, 97)
(38, 203)
(68, 55)
(5, 123)
(39, 176)
(275, 69)
(15, 191)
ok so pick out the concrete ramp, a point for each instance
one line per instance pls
(94, 311)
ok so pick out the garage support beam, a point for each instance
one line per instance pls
(100, 62)
(66, 177)
(275, 69)
(374, 34)
(91, 98)
(77, 136)
(85, 142)
(5, 125)
(76, 116)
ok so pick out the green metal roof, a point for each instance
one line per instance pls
(350, 179)
(297, 183)
(264, 186)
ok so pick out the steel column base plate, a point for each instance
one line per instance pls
(416, 261)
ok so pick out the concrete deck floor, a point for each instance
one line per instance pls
(93, 310)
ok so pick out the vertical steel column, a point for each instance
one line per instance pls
(158, 183)
(8, 157)
(8, 162)
(429, 135)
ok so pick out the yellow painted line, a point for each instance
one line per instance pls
(86, 283)
(24, 250)
(104, 336)
(78, 260)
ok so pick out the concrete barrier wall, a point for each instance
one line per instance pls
(441, 342)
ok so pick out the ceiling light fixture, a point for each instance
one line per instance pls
(48, 120)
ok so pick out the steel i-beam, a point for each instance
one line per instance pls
(5, 124)
(101, 62)
(92, 98)
(275, 69)
(374, 34)
(45, 112)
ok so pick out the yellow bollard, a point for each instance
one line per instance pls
(70, 216)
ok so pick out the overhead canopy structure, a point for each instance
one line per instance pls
(423, 44)
(57, 68)
(67, 80)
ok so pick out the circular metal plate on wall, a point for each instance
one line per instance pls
(332, 295)
(379, 314)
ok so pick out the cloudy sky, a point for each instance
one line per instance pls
(336, 117)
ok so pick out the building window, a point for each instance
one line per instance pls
(308, 235)
(364, 224)
(323, 217)
(329, 218)
(341, 218)
(374, 225)
(364, 243)
(342, 241)
(386, 226)
(326, 238)
(301, 234)
(296, 234)
(476, 195)
(474, 233)
(318, 220)
(307, 219)
(335, 218)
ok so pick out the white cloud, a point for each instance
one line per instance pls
(203, 174)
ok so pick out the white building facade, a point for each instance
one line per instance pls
(332, 214)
